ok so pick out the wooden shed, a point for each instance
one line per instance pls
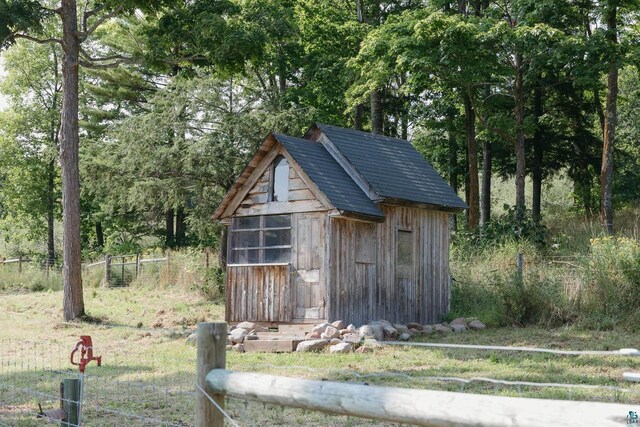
(340, 224)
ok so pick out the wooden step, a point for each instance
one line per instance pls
(271, 346)
(304, 328)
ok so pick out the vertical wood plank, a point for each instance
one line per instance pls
(211, 354)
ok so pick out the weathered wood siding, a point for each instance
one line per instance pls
(258, 293)
(307, 259)
(300, 198)
(363, 280)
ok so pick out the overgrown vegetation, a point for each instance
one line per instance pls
(594, 285)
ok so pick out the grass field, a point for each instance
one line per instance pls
(148, 365)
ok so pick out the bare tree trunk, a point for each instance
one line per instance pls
(376, 112)
(170, 240)
(536, 169)
(181, 227)
(519, 145)
(51, 247)
(472, 154)
(99, 234)
(73, 306)
(358, 112)
(453, 163)
(611, 117)
(485, 196)
(222, 250)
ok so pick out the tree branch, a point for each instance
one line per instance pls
(88, 31)
(91, 59)
(113, 64)
(35, 39)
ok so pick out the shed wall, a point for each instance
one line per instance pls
(364, 282)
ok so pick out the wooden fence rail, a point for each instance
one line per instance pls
(392, 404)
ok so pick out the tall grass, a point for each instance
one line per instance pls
(31, 278)
(599, 289)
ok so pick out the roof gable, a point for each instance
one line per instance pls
(392, 167)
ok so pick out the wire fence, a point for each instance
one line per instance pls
(136, 388)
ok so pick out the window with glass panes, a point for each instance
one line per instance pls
(260, 239)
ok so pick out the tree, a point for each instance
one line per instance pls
(25, 20)
(30, 139)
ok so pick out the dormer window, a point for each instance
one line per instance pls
(280, 183)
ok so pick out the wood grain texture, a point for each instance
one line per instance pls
(258, 293)
(416, 407)
(363, 278)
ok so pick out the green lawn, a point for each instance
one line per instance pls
(148, 366)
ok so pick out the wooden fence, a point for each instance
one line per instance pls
(391, 404)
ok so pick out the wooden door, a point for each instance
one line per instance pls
(307, 254)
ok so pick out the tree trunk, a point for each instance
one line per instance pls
(51, 247)
(222, 250)
(453, 164)
(99, 234)
(358, 112)
(611, 117)
(376, 112)
(472, 155)
(73, 306)
(485, 199)
(536, 169)
(181, 227)
(519, 145)
(170, 240)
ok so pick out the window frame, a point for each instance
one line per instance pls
(412, 267)
(272, 180)
(262, 247)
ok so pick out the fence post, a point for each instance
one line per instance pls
(20, 264)
(211, 353)
(107, 264)
(70, 401)
(138, 264)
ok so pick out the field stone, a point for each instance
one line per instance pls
(341, 348)
(351, 338)
(330, 332)
(402, 329)
(191, 339)
(338, 324)
(364, 349)
(312, 336)
(239, 348)
(414, 325)
(459, 321)
(320, 327)
(344, 331)
(405, 336)
(458, 328)
(237, 335)
(311, 345)
(229, 347)
(477, 325)
(378, 331)
(247, 325)
(441, 328)
(427, 329)
(366, 331)
(335, 341)
(352, 328)
(370, 342)
(251, 337)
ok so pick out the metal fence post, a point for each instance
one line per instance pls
(211, 354)
(71, 401)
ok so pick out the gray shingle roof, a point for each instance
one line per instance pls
(393, 167)
(329, 176)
